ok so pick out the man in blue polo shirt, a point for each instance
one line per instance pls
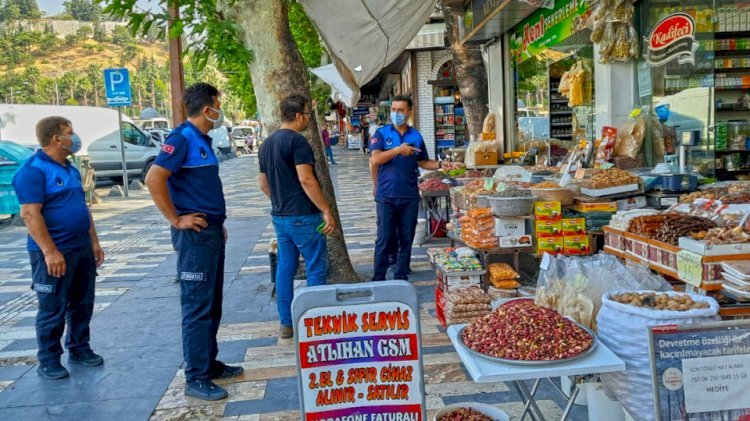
(398, 151)
(63, 247)
(185, 185)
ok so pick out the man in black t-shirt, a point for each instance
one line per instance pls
(287, 177)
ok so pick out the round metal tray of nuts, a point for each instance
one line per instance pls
(529, 362)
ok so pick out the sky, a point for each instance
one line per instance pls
(51, 7)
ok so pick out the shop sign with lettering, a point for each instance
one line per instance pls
(701, 371)
(359, 352)
(672, 38)
(547, 27)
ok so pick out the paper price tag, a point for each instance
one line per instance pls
(607, 165)
(489, 183)
(501, 186)
(690, 267)
(635, 113)
(580, 173)
(544, 265)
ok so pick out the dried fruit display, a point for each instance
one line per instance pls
(678, 302)
(717, 236)
(547, 185)
(682, 226)
(433, 184)
(502, 272)
(612, 177)
(648, 225)
(527, 332)
(464, 414)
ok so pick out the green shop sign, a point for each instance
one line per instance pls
(547, 27)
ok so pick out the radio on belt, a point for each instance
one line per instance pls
(359, 352)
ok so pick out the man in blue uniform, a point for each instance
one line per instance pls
(185, 185)
(63, 247)
(398, 151)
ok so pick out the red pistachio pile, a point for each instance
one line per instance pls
(433, 184)
(464, 414)
(526, 332)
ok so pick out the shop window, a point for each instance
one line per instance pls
(701, 97)
(450, 124)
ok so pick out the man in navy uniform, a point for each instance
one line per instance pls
(63, 247)
(398, 151)
(185, 185)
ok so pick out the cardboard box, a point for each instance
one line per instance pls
(485, 158)
(519, 241)
(637, 202)
(594, 207)
(576, 245)
(548, 210)
(510, 227)
(573, 226)
(548, 228)
(551, 245)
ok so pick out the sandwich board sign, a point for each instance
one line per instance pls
(359, 352)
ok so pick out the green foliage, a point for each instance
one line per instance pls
(71, 101)
(121, 36)
(71, 39)
(99, 34)
(84, 10)
(85, 32)
(19, 9)
(220, 46)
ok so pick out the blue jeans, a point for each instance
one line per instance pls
(329, 152)
(396, 218)
(67, 298)
(200, 268)
(295, 235)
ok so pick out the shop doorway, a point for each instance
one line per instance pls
(450, 121)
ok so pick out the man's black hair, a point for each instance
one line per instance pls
(291, 105)
(198, 96)
(403, 98)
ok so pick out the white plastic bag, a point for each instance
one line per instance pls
(623, 329)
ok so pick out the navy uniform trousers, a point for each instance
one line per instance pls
(200, 269)
(69, 298)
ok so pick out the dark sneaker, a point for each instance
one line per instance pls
(85, 358)
(205, 389)
(226, 371)
(52, 371)
(286, 332)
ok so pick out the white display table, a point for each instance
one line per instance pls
(482, 370)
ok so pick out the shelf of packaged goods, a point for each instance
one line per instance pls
(561, 112)
(561, 124)
(732, 69)
(732, 151)
(742, 170)
(731, 53)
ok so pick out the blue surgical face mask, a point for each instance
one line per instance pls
(76, 143)
(398, 119)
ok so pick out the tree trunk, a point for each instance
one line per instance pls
(264, 29)
(470, 74)
(96, 95)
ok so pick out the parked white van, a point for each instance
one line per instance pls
(99, 134)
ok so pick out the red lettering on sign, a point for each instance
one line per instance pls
(670, 30)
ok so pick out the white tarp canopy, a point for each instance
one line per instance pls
(367, 35)
(346, 92)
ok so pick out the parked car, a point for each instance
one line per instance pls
(239, 138)
(99, 131)
(12, 155)
(222, 143)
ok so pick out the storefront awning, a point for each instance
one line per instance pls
(431, 36)
(367, 35)
(345, 91)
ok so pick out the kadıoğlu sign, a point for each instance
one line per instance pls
(672, 38)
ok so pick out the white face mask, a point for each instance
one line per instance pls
(219, 121)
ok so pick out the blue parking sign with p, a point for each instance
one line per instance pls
(117, 87)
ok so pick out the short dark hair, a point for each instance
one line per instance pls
(48, 127)
(403, 98)
(198, 96)
(291, 105)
